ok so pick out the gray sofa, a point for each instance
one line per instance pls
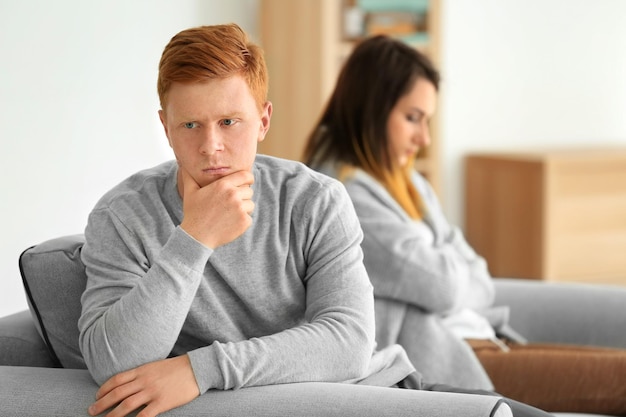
(42, 372)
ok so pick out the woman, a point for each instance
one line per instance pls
(434, 294)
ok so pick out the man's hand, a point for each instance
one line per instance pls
(219, 212)
(159, 386)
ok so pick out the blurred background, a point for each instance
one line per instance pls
(78, 102)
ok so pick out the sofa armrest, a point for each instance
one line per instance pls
(48, 391)
(20, 343)
(559, 312)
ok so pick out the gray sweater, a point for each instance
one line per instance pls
(424, 273)
(288, 301)
(433, 267)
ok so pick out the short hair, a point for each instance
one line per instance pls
(212, 52)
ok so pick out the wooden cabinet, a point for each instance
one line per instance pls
(305, 45)
(555, 215)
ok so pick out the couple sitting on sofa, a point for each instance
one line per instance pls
(228, 269)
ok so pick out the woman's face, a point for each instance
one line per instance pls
(408, 123)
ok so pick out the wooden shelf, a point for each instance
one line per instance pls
(305, 48)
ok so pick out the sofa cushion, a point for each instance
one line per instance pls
(68, 392)
(20, 344)
(54, 279)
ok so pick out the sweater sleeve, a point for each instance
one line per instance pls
(425, 263)
(132, 312)
(336, 341)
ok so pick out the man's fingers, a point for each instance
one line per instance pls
(114, 397)
(152, 409)
(114, 382)
(241, 178)
(248, 206)
(246, 192)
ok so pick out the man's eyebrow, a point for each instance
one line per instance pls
(199, 117)
(231, 115)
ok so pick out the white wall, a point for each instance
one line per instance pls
(78, 108)
(529, 74)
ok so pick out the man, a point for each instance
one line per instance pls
(223, 269)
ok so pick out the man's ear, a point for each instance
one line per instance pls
(164, 123)
(266, 115)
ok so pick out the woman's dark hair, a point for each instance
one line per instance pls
(379, 71)
(352, 129)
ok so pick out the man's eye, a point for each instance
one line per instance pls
(190, 125)
(228, 122)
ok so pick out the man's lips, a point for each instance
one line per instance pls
(215, 170)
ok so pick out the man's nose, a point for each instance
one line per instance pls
(211, 142)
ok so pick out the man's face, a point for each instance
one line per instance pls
(214, 127)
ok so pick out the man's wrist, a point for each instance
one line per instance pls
(206, 369)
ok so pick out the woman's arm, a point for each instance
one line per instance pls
(425, 263)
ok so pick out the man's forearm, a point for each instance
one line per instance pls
(139, 319)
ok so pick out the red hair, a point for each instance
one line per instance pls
(209, 52)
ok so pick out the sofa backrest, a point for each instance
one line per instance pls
(54, 279)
